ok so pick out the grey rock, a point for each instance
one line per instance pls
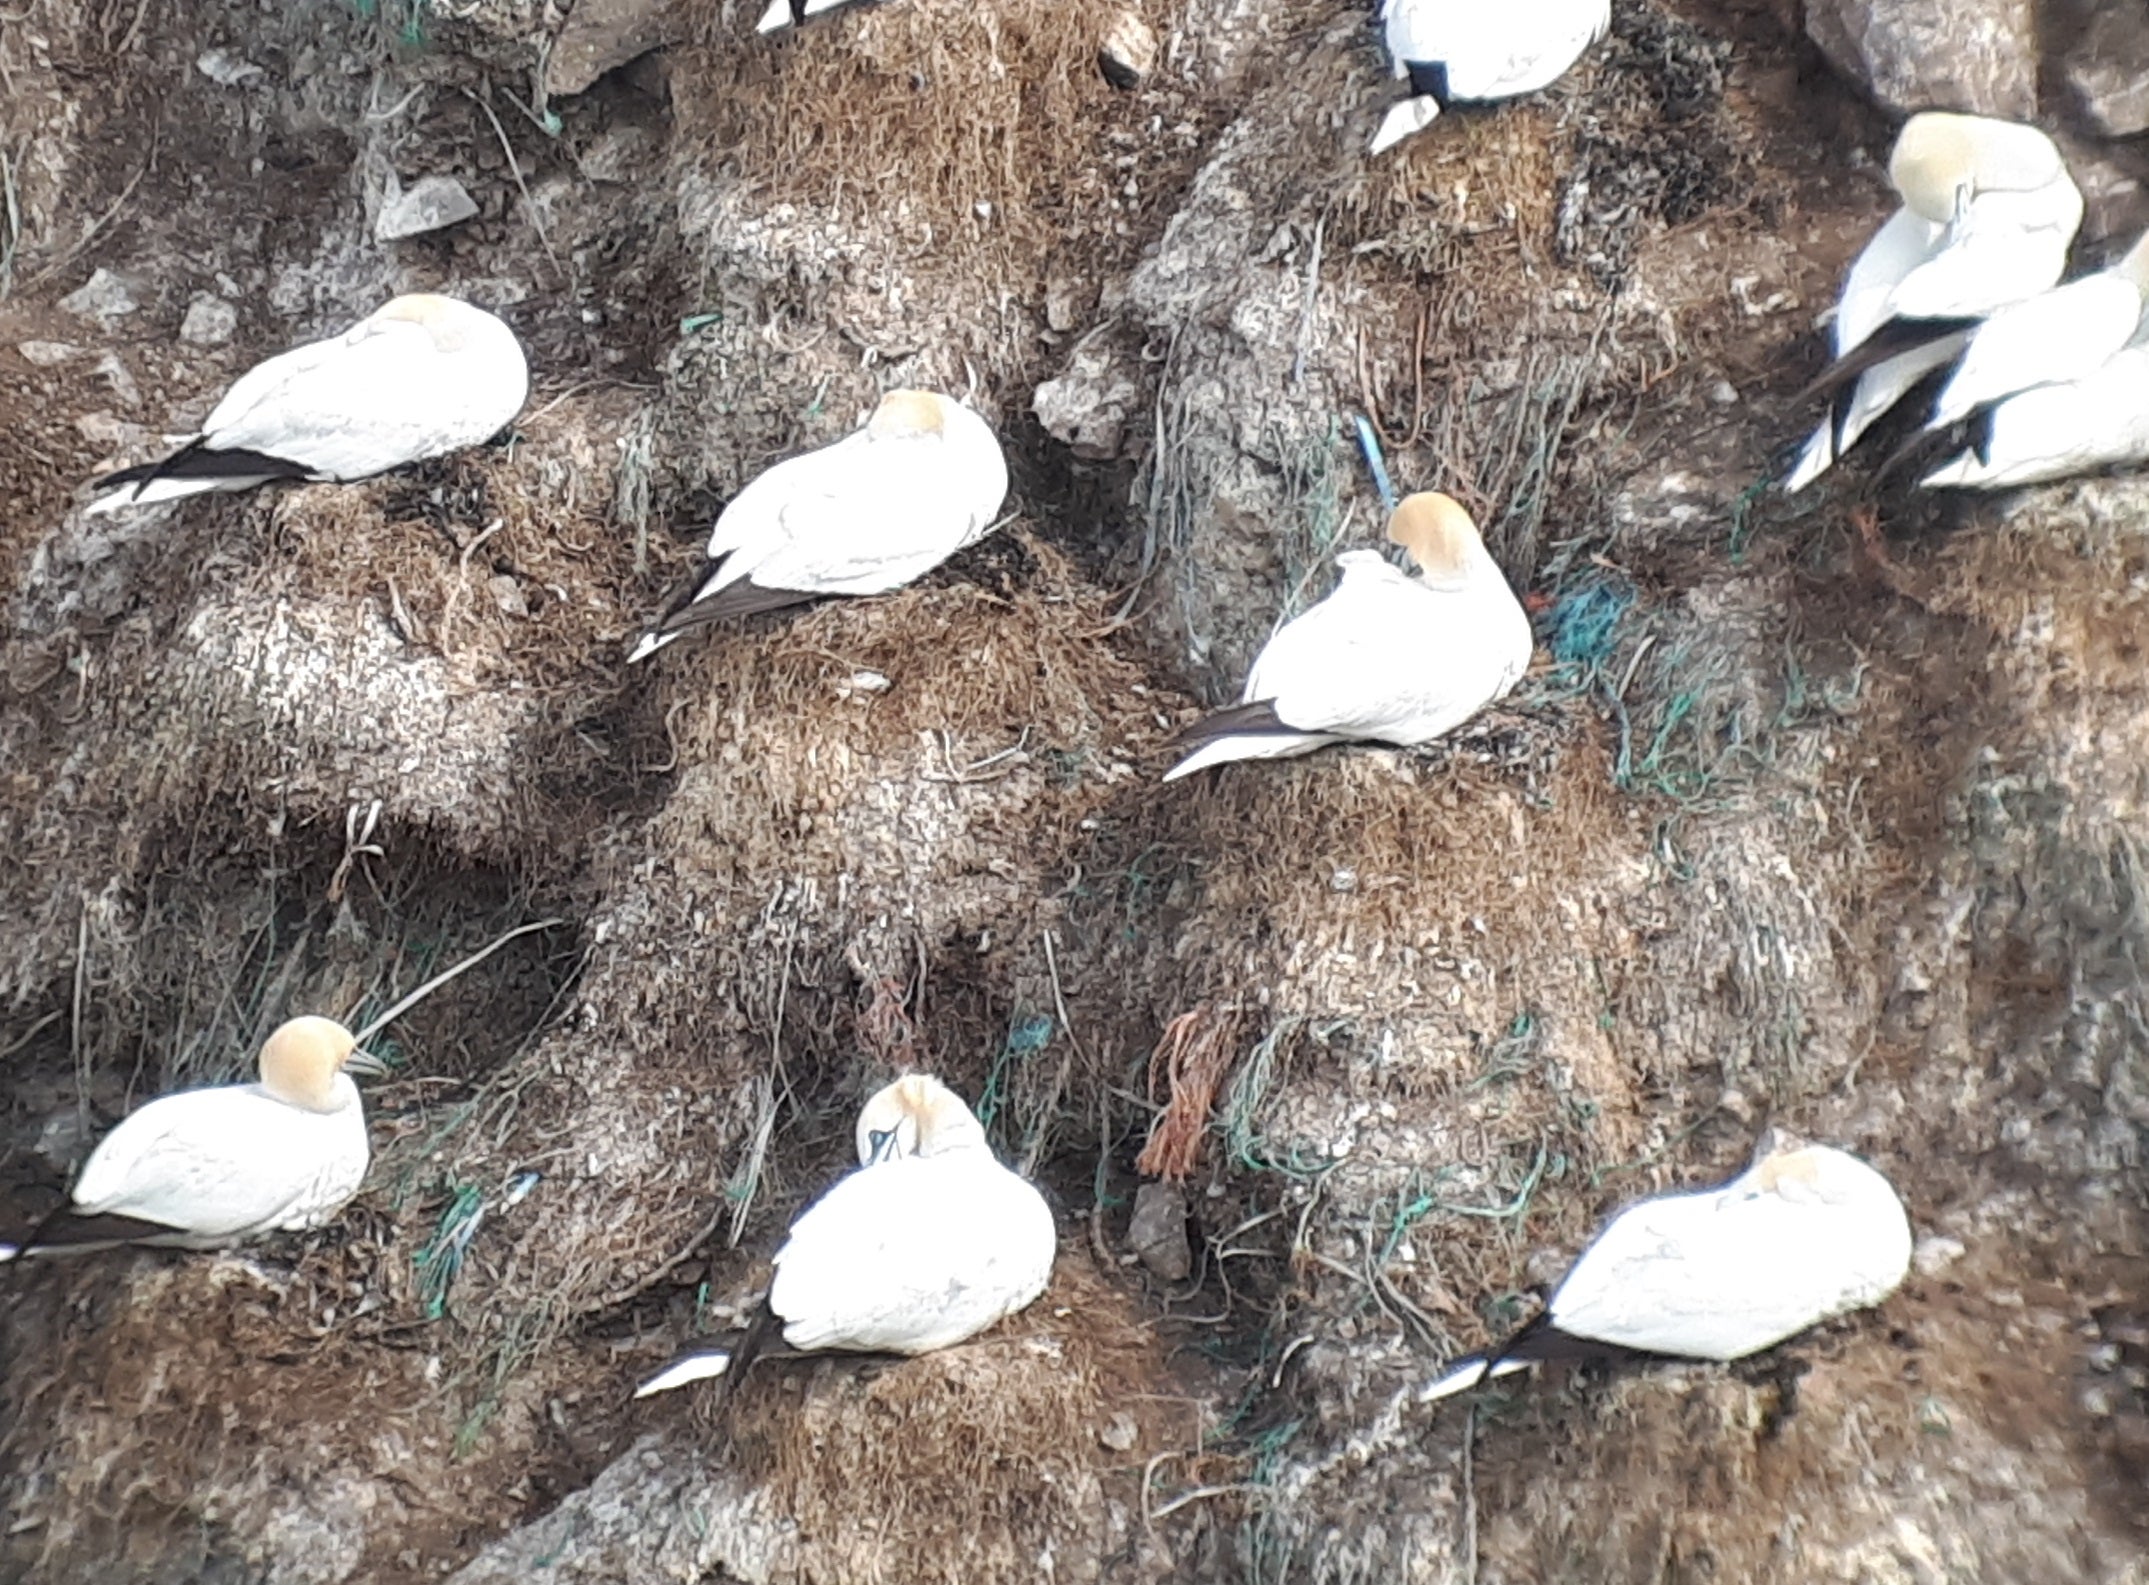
(209, 322)
(1158, 1231)
(431, 203)
(1975, 55)
(1129, 51)
(1087, 408)
(103, 297)
(2109, 67)
(600, 35)
(47, 354)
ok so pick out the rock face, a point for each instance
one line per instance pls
(1976, 55)
(2109, 68)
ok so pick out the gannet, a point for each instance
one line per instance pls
(1388, 657)
(1807, 1233)
(214, 1166)
(1452, 50)
(1988, 214)
(419, 377)
(929, 1241)
(882, 506)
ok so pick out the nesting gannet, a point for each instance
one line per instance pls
(1805, 1234)
(419, 377)
(1988, 214)
(882, 506)
(1387, 657)
(214, 1166)
(1452, 50)
(928, 1242)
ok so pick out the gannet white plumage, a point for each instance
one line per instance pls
(2058, 336)
(1988, 214)
(1387, 657)
(928, 1242)
(1805, 1234)
(213, 1166)
(419, 377)
(873, 511)
(1457, 50)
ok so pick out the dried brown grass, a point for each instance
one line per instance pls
(978, 133)
(969, 1463)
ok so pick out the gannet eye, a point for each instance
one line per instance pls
(882, 1143)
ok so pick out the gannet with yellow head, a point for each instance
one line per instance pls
(928, 1242)
(1387, 657)
(1988, 213)
(868, 514)
(214, 1166)
(419, 377)
(1805, 1234)
(1456, 53)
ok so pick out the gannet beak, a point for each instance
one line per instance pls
(367, 1063)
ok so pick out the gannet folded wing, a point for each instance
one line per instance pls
(913, 1255)
(2057, 431)
(1492, 51)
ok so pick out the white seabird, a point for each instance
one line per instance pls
(1988, 214)
(1806, 1234)
(1466, 50)
(882, 506)
(419, 377)
(207, 1167)
(1387, 657)
(928, 1242)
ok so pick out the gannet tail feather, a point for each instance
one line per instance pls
(192, 470)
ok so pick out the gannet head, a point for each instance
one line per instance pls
(300, 1061)
(1439, 534)
(904, 415)
(916, 1116)
(445, 319)
(1942, 159)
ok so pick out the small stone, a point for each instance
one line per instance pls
(103, 297)
(1088, 407)
(45, 354)
(209, 322)
(507, 595)
(1129, 51)
(1158, 1232)
(115, 375)
(1934, 1253)
(1121, 1435)
(226, 69)
(431, 203)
